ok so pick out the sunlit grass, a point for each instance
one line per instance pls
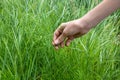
(26, 52)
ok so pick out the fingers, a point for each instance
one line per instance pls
(68, 41)
(60, 39)
(60, 36)
(57, 38)
(58, 31)
(56, 34)
(64, 43)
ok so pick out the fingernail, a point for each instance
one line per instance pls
(56, 47)
(67, 44)
(56, 42)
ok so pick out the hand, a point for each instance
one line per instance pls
(68, 31)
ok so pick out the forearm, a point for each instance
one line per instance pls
(104, 9)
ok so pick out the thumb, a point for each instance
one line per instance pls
(60, 39)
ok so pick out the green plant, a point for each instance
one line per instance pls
(26, 52)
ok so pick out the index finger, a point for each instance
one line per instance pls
(58, 31)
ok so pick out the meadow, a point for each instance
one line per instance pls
(26, 51)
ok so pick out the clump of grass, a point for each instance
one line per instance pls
(26, 53)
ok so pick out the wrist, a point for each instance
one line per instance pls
(86, 23)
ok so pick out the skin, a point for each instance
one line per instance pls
(68, 31)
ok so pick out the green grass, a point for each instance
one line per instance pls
(26, 52)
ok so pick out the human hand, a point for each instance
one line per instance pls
(68, 31)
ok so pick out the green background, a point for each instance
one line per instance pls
(26, 52)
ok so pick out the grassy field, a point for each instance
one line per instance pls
(26, 52)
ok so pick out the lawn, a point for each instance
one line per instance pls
(26, 51)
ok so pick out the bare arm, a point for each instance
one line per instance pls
(76, 28)
(104, 9)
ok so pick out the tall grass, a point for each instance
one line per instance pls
(26, 53)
